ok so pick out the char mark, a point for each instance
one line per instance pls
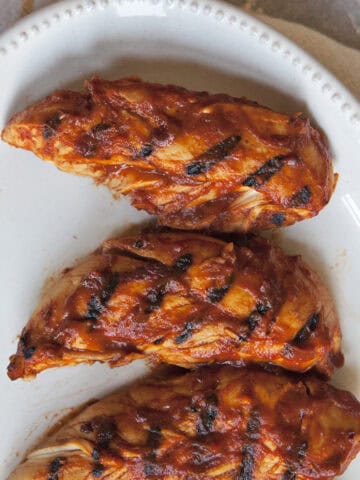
(100, 127)
(216, 294)
(146, 151)
(29, 352)
(154, 439)
(183, 262)
(51, 125)
(151, 469)
(97, 303)
(98, 470)
(154, 298)
(247, 463)
(186, 333)
(215, 154)
(301, 198)
(309, 327)
(262, 308)
(253, 321)
(289, 474)
(278, 219)
(265, 172)
(208, 415)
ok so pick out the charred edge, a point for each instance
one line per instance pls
(146, 151)
(50, 127)
(98, 470)
(247, 463)
(183, 262)
(265, 172)
(100, 127)
(309, 327)
(301, 198)
(158, 341)
(218, 152)
(289, 474)
(154, 297)
(185, 334)
(278, 219)
(208, 415)
(216, 294)
(97, 303)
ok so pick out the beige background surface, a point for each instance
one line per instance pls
(338, 18)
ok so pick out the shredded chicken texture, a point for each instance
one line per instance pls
(220, 423)
(197, 161)
(185, 299)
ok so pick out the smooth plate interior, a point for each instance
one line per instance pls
(49, 219)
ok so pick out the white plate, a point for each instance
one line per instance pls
(49, 218)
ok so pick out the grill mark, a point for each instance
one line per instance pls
(183, 262)
(213, 155)
(265, 172)
(309, 327)
(278, 219)
(289, 474)
(208, 415)
(302, 197)
(248, 451)
(186, 333)
(51, 125)
(216, 294)
(154, 297)
(97, 303)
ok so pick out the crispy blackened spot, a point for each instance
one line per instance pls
(96, 454)
(248, 452)
(105, 430)
(301, 198)
(51, 125)
(151, 469)
(183, 262)
(253, 321)
(265, 172)
(262, 308)
(86, 427)
(215, 154)
(247, 463)
(100, 127)
(186, 333)
(158, 341)
(85, 145)
(154, 438)
(301, 452)
(29, 352)
(98, 470)
(289, 474)
(154, 297)
(146, 151)
(309, 327)
(55, 467)
(139, 244)
(216, 294)
(208, 415)
(278, 219)
(97, 303)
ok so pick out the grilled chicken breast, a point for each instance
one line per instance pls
(183, 299)
(216, 422)
(197, 161)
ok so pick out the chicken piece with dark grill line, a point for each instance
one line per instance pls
(196, 160)
(183, 299)
(220, 423)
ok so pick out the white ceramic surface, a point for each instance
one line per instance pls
(49, 218)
